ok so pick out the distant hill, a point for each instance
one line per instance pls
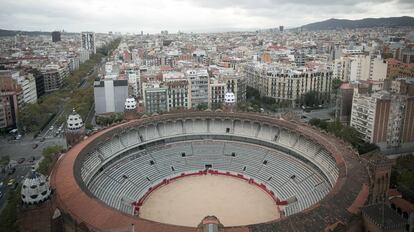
(332, 24)
(29, 33)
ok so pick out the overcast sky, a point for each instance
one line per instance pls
(152, 16)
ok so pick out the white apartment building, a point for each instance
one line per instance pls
(179, 94)
(288, 83)
(110, 95)
(199, 86)
(179, 90)
(360, 68)
(385, 117)
(28, 85)
(88, 41)
(134, 82)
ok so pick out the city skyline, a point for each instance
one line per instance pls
(187, 16)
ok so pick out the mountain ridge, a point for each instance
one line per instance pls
(334, 24)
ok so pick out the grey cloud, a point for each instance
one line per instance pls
(253, 4)
(194, 15)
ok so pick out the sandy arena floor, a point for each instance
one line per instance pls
(188, 200)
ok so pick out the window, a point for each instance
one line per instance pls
(264, 162)
(227, 130)
(151, 162)
(233, 154)
(183, 154)
(244, 168)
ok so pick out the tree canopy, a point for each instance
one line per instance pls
(347, 133)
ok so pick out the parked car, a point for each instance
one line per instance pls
(32, 159)
(42, 139)
(11, 182)
(21, 160)
(34, 146)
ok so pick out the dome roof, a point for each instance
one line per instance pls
(74, 121)
(130, 104)
(229, 98)
(35, 188)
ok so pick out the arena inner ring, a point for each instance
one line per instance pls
(315, 180)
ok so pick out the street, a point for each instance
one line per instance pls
(21, 171)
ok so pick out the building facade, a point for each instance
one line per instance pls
(56, 36)
(88, 41)
(155, 97)
(110, 96)
(53, 76)
(10, 101)
(179, 94)
(289, 84)
(385, 117)
(199, 86)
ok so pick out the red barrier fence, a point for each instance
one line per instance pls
(137, 205)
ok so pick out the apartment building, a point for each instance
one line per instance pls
(155, 97)
(286, 83)
(199, 79)
(53, 76)
(110, 95)
(385, 117)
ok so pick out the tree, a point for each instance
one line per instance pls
(336, 83)
(5, 159)
(314, 121)
(268, 100)
(88, 126)
(252, 93)
(218, 105)
(202, 106)
(347, 133)
(48, 153)
(8, 216)
(310, 98)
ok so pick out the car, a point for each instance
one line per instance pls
(51, 128)
(42, 139)
(11, 182)
(21, 160)
(32, 159)
(34, 146)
